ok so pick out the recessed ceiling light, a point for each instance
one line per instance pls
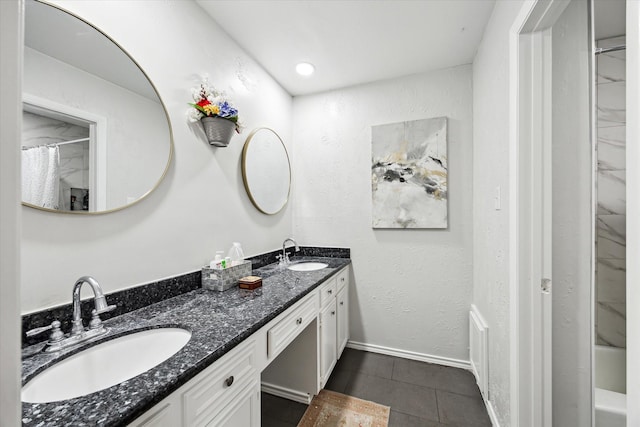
(305, 69)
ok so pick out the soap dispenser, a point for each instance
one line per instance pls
(236, 254)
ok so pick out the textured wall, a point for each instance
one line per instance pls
(412, 288)
(491, 227)
(201, 206)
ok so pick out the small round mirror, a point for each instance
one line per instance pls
(266, 171)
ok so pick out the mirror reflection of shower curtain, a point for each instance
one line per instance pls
(41, 176)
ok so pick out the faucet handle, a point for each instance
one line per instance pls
(56, 333)
(37, 331)
(95, 322)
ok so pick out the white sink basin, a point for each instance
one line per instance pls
(105, 365)
(308, 266)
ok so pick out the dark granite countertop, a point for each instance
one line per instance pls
(218, 321)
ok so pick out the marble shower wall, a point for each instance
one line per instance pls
(611, 211)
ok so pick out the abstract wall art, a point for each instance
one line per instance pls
(409, 174)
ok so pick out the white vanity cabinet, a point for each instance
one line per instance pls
(226, 394)
(334, 322)
(328, 353)
(342, 300)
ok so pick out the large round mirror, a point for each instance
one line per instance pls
(266, 171)
(96, 136)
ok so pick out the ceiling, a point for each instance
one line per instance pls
(351, 42)
(609, 20)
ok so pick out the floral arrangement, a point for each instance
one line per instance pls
(209, 102)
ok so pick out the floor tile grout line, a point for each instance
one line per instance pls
(414, 415)
(438, 407)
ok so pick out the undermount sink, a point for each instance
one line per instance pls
(307, 266)
(105, 365)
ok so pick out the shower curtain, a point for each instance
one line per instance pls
(41, 176)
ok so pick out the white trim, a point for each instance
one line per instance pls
(286, 393)
(492, 413)
(479, 349)
(11, 51)
(97, 137)
(534, 16)
(412, 355)
(633, 211)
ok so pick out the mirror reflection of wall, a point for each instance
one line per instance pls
(71, 66)
(266, 171)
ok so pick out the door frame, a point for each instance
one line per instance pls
(633, 210)
(97, 141)
(530, 211)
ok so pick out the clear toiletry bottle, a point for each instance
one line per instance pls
(217, 261)
(236, 254)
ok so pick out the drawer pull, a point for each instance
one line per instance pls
(341, 302)
(229, 381)
(333, 313)
(330, 291)
(342, 279)
(299, 321)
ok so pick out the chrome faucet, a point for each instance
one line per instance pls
(58, 340)
(100, 302)
(285, 258)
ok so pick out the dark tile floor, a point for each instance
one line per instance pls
(419, 394)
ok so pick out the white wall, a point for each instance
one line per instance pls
(412, 289)
(11, 16)
(491, 226)
(201, 206)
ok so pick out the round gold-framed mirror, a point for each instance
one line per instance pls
(96, 135)
(266, 170)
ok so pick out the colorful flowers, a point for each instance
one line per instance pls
(208, 102)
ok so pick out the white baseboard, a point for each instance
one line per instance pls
(286, 393)
(492, 413)
(439, 360)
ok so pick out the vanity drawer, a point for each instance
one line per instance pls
(328, 290)
(343, 279)
(218, 386)
(287, 329)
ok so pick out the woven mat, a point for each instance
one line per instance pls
(331, 409)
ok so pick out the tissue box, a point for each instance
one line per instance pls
(223, 279)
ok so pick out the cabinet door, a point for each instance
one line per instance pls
(244, 411)
(343, 319)
(328, 340)
(164, 414)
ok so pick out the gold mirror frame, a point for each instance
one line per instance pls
(166, 114)
(245, 149)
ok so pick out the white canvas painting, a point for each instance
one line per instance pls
(409, 174)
